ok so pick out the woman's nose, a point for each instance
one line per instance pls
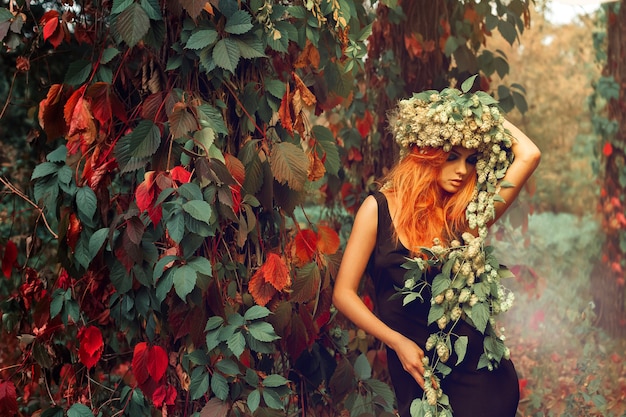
(461, 168)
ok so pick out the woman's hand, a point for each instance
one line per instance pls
(411, 356)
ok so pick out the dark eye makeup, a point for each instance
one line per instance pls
(472, 159)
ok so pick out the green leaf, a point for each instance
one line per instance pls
(133, 24)
(507, 30)
(460, 348)
(79, 410)
(275, 380)
(199, 384)
(250, 48)
(78, 72)
(468, 84)
(184, 281)
(201, 39)
(289, 165)
(362, 368)
(440, 284)
(97, 240)
(146, 139)
(228, 367)
(87, 203)
(435, 312)
(256, 312)
(277, 89)
(120, 5)
(238, 23)
(176, 226)
(44, 169)
(226, 54)
(108, 54)
(236, 343)
(480, 316)
(201, 265)
(199, 210)
(272, 399)
(152, 9)
(213, 323)
(219, 386)
(262, 331)
(253, 401)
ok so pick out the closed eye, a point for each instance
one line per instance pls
(472, 159)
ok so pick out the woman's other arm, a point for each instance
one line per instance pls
(346, 298)
(527, 156)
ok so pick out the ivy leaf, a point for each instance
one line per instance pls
(79, 410)
(226, 54)
(238, 23)
(274, 381)
(157, 362)
(199, 210)
(219, 386)
(120, 5)
(362, 368)
(193, 7)
(306, 284)
(97, 240)
(215, 408)
(8, 398)
(289, 165)
(199, 384)
(78, 72)
(256, 312)
(236, 343)
(44, 169)
(133, 24)
(272, 399)
(184, 281)
(201, 39)
(151, 7)
(145, 139)
(87, 203)
(228, 367)
(253, 401)
(262, 331)
(250, 48)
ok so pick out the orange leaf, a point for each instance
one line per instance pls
(364, 125)
(261, 291)
(91, 346)
(307, 96)
(284, 112)
(235, 167)
(51, 117)
(78, 116)
(306, 243)
(276, 272)
(328, 240)
(73, 231)
(157, 362)
(309, 57)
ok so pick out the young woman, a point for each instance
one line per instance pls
(423, 198)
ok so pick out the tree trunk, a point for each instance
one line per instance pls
(418, 62)
(608, 276)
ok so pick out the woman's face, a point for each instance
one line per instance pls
(457, 169)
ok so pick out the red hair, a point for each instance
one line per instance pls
(424, 211)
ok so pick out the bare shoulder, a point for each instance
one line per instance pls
(366, 220)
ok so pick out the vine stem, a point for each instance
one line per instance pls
(6, 103)
(24, 197)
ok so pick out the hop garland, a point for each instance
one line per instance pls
(455, 118)
(468, 286)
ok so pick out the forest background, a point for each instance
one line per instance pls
(551, 239)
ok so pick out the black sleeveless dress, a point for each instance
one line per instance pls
(472, 392)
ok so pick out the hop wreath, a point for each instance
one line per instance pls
(468, 286)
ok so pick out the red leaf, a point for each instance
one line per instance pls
(50, 22)
(607, 150)
(91, 346)
(105, 104)
(157, 362)
(9, 259)
(146, 191)
(8, 399)
(164, 395)
(327, 240)
(261, 291)
(180, 174)
(306, 243)
(140, 367)
(364, 125)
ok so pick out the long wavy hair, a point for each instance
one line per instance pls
(425, 211)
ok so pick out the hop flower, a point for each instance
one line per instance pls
(443, 352)
(430, 342)
(464, 295)
(442, 322)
